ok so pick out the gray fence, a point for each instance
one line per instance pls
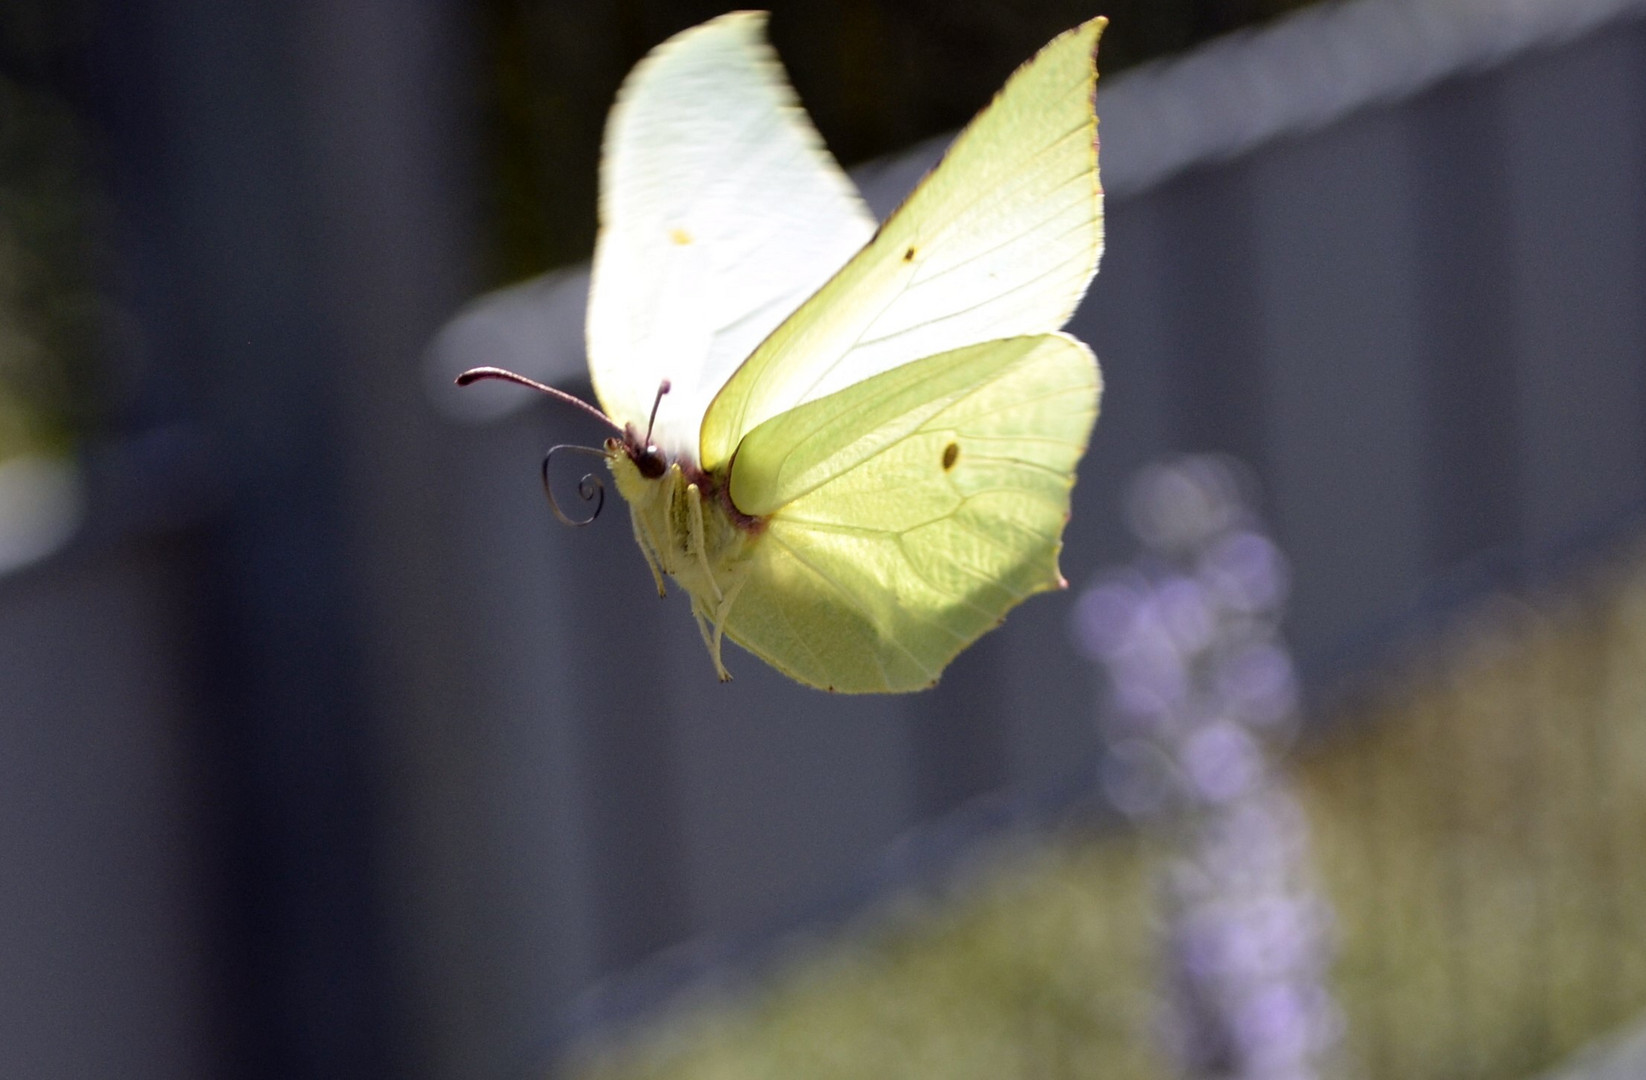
(461, 766)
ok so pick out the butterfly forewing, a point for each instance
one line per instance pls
(999, 241)
(720, 211)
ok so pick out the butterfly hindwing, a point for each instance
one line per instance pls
(910, 511)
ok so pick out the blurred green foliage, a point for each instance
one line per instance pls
(876, 76)
(1477, 825)
(49, 304)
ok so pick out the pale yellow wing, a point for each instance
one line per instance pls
(999, 241)
(911, 511)
(720, 211)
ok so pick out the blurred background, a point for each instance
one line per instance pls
(326, 751)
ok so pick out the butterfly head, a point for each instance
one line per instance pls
(643, 452)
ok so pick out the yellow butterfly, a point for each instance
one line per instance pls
(853, 447)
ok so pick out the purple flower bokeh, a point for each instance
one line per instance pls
(1201, 692)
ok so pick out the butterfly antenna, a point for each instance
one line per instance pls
(662, 388)
(476, 374)
(590, 489)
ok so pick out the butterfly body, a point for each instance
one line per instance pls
(864, 453)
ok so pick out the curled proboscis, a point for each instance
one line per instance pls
(590, 489)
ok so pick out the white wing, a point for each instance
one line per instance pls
(720, 211)
(999, 241)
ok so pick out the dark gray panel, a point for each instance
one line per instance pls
(1575, 155)
(1343, 443)
(786, 790)
(1211, 337)
(524, 910)
(1465, 282)
(105, 962)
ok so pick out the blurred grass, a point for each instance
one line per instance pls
(1033, 963)
(1485, 838)
(1480, 825)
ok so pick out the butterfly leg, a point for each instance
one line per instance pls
(694, 517)
(721, 612)
(711, 638)
(646, 550)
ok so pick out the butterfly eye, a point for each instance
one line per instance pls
(649, 461)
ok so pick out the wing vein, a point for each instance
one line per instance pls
(922, 282)
(961, 598)
(994, 299)
(1019, 179)
(879, 629)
